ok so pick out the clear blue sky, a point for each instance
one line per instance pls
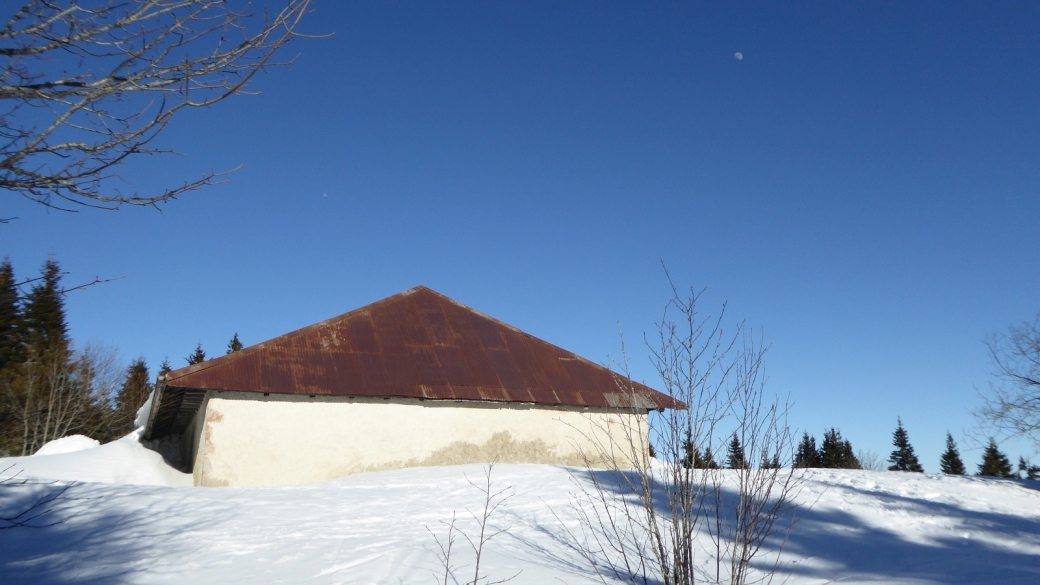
(862, 185)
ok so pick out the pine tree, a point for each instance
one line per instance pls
(705, 461)
(689, 452)
(735, 455)
(1030, 472)
(234, 344)
(994, 463)
(130, 398)
(770, 462)
(10, 316)
(950, 463)
(807, 455)
(164, 367)
(43, 315)
(903, 457)
(198, 356)
(836, 453)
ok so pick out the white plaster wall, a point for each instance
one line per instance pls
(250, 440)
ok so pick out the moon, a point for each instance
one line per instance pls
(739, 56)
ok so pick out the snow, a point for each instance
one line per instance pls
(862, 527)
(141, 418)
(67, 445)
(77, 458)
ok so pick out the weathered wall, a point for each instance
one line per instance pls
(249, 440)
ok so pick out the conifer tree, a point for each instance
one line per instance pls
(807, 455)
(198, 356)
(706, 461)
(10, 315)
(130, 398)
(770, 462)
(903, 457)
(994, 463)
(837, 453)
(43, 315)
(1027, 471)
(689, 452)
(164, 367)
(234, 344)
(735, 456)
(950, 463)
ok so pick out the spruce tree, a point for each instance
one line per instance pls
(234, 344)
(1030, 472)
(903, 457)
(130, 397)
(770, 462)
(735, 456)
(705, 461)
(689, 452)
(807, 455)
(994, 463)
(950, 463)
(837, 453)
(197, 357)
(10, 316)
(164, 367)
(43, 314)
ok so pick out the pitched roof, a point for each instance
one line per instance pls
(416, 344)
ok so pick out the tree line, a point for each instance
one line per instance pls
(835, 452)
(50, 389)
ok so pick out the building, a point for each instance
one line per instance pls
(412, 380)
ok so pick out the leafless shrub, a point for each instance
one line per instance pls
(493, 498)
(86, 86)
(664, 520)
(870, 460)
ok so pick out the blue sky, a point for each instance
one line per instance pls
(862, 186)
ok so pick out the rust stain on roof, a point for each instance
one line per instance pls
(416, 344)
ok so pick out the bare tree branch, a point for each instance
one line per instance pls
(83, 89)
(1012, 405)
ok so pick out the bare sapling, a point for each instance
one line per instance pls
(678, 518)
(493, 498)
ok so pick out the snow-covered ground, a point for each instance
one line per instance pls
(865, 527)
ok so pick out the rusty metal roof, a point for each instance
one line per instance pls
(416, 344)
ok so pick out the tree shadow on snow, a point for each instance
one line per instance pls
(94, 533)
(965, 546)
(828, 544)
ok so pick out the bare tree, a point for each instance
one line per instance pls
(1012, 405)
(493, 498)
(85, 86)
(664, 520)
(54, 394)
(870, 460)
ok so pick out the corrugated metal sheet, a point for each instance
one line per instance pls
(417, 344)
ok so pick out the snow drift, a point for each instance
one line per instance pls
(862, 527)
(79, 458)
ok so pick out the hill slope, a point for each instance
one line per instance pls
(865, 527)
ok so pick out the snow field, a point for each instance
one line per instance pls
(862, 527)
